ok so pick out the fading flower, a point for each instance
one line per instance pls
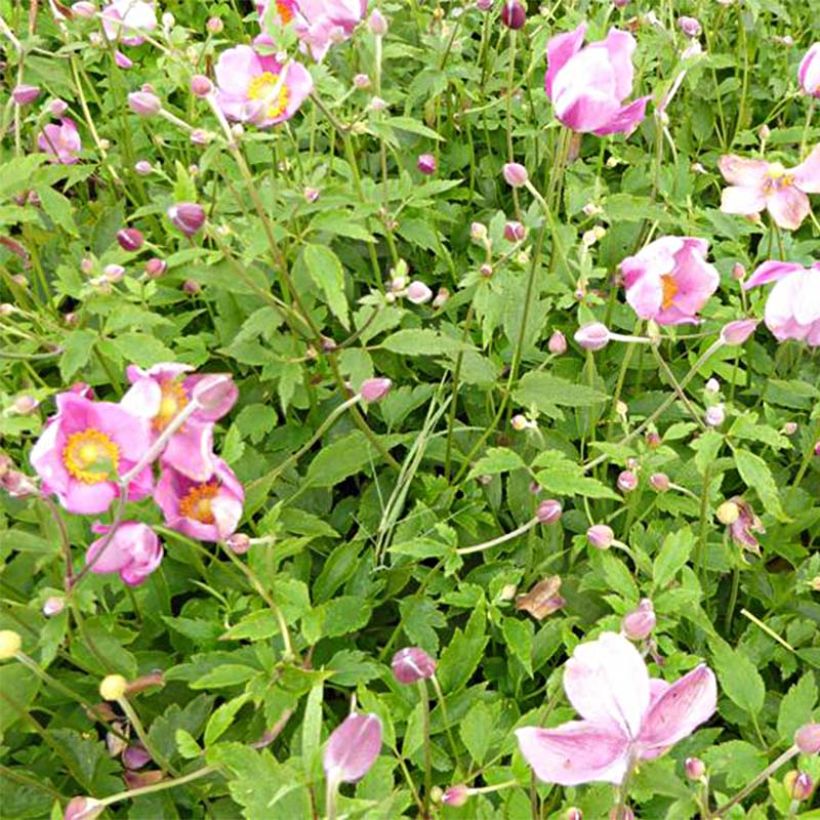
(742, 529)
(543, 599)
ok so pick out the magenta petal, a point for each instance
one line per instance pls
(190, 450)
(807, 174)
(353, 748)
(686, 704)
(620, 45)
(559, 50)
(626, 120)
(770, 272)
(576, 752)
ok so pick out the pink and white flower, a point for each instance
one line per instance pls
(628, 716)
(134, 551)
(208, 510)
(127, 21)
(756, 185)
(808, 73)
(86, 448)
(352, 748)
(670, 280)
(61, 141)
(588, 84)
(256, 88)
(793, 307)
(158, 395)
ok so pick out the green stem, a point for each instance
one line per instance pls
(428, 756)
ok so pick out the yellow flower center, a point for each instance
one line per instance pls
(172, 401)
(670, 290)
(285, 10)
(91, 456)
(271, 91)
(197, 502)
(777, 178)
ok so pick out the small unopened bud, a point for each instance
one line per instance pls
(143, 167)
(199, 136)
(57, 108)
(130, 239)
(764, 132)
(557, 344)
(123, 61)
(215, 25)
(83, 808)
(239, 543)
(478, 232)
(87, 265)
(441, 298)
(638, 624)
(83, 9)
(456, 796)
(574, 814)
(113, 687)
(377, 23)
(418, 293)
(426, 163)
(486, 270)
(694, 767)
(53, 605)
(727, 513)
(738, 272)
(373, 390)
(412, 664)
(549, 511)
(201, 86)
(594, 336)
(514, 231)
(155, 267)
(600, 536)
(799, 785)
(513, 14)
(311, 195)
(23, 405)
(689, 26)
(144, 103)
(627, 481)
(807, 738)
(113, 273)
(712, 386)
(789, 428)
(519, 423)
(361, 81)
(659, 482)
(715, 415)
(189, 217)
(23, 94)
(736, 333)
(515, 174)
(10, 643)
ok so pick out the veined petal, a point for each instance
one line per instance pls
(771, 271)
(788, 207)
(745, 172)
(807, 174)
(559, 50)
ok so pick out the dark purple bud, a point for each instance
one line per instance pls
(187, 216)
(513, 14)
(130, 239)
(426, 163)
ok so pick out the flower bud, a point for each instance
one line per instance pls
(519, 423)
(83, 808)
(486, 270)
(23, 94)
(574, 814)
(715, 415)
(736, 333)
(484, 5)
(155, 267)
(143, 167)
(130, 239)
(352, 748)
(557, 344)
(57, 108)
(123, 61)
(53, 605)
(189, 217)
(694, 767)
(627, 481)
(311, 195)
(426, 163)
(513, 14)
(478, 232)
(373, 390)
(361, 81)
(689, 26)
(659, 482)
(201, 86)
(638, 624)
(418, 293)
(727, 513)
(113, 273)
(135, 756)
(515, 174)
(456, 796)
(799, 785)
(620, 4)
(144, 103)
(441, 298)
(807, 738)
(412, 664)
(600, 536)
(10, 643)
(789, 428)
(239, 543)
(23, 405)
(594, 336)
(712, 386)
(738, 272)
(549, 511)
(377, 23)
(113, 687)
(83, 9)
(514, 231)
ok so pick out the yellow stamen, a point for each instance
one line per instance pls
(285, 11)
(670, 290)
(173, 400)
(91, 449)
(273, 92)
(197, 502)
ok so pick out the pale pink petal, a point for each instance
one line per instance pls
(808, 73)
(749, 173)
(807, 306)
(353, 748)
(771, 271)
(807, 174)
(607, 682)
(576, 752)
(626, 120)
(788, 207)
(88, 499)
(142, 399)
(235, 68)
(559, 49)
(190, 450)
(584, 91)
(46, 458)
(743, 201)
(645, 296)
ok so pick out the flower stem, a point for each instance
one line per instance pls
(428, 757)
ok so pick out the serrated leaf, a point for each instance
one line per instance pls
(255, 627)
(497, 460)
(326, 271)
(475, 731)
(518, 636)
(58, 208)
(543, 390)
(464, 653)
(560, 476)
(422, 342)
(187, 746)
(739, 679)
(796, 707)
(343, 458)
(221, 720)
(674, 553)
(758, 477)
(228, 674)
(77, 350)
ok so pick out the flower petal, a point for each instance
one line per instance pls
(626, 120)
(788, 207)
(353, 748)
(807, 174)
(559, 50)
(741, 200)
(771, 271)
(737, 170)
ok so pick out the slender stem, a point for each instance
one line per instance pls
(730, 609)
(156, 787)
(508, 536)
(428, 757)
(331, 792)
(136, 723)
(677, 388)
(443, 705)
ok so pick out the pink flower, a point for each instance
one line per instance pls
(412, 664)
(61, 141)
(208, 510)
(793, 307)
(255, 88)
(126, 20)
(134, 551)
(84, 450)
(158, 395)
(588, 85)
(670, 280)
(320, 24)
(352, 748)
(808, 74)
(628, 716)
(755, 185)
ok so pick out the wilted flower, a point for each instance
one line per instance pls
(742, 528)
(808, 73)
(756, 185)
(627, 716)
(543, 599)
(412, 664)
(352, 748)
(134, 551)
(61, 141)
(792, 309)
(587, 85)
(638, 624)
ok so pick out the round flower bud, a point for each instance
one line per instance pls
(638, 624)
(549, 511)
(600, 536)
(653, 440)
(377, 23)
(441, 298)
(456, 796)
(215, 25)
(715, 415)
(113, 687)
(712, 386)
(373, 390)
(486, 270)
(515, 174)
(799, 785)
(83, 808)
(239, 543)
(513, 14)
(659, 482)
(478, 232)
(143, 167)
(694, 767)
(23, 405)
(10, 643)
(53, 605)
(574, 814)
(144, 103)
(738, 272)
(130, 239)
(557, 344)
(418, 293)
(727, 513)
(189, 217)
(201, 86)
(155, 267)
(426, 163)
(311, 195)
(23, 94)
(627, 481)
(736, 333)
(412, 664)
(83, 9)
(113, 273)
(594, 336)
(807, 738)
(789, 428)
(514, 231)
(57, 108)
(361, 81)
(689, 26)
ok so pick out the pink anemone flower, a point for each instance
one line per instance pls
(793, 307)
(161, 393)
(84, 450)
(209, 510)
(670, 280)
(61, 141)
(808, 73)
(352, 748)
(755, 185)
(123, 20)
(628, 716)
(255, 88)
(134, 551)
(588, 85)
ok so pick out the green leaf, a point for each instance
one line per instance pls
(758, 477)
(187, 746)
(228, 674)
(312, 725)
(326, 271)
(76, 352)
(414, 127)
(706, 447)
(19, 687)
(58, 208)
(422, 342)
(544, 391)
(191, 719)
(464, 653)
(564, 477)
(221, 720)
(255, 627)
(796, 707)
(339, 616)
(343, 458)
(675, 552)
(739, 679)
(142, 349)
(15, 175)
(518, 636)
(497, 460)
(475, 731)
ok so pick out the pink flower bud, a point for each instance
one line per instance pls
(53, 605)
(373, 390)
(215, 394)
(114, 273)
(736, 333)
(807, 738)
(239, 543)
(441, 298)
(456, 796)
(486, 270)
(377, 23)
(144, 103)
(412, 664)
(738, 272)
(789, 428)
(620, 4)
(484, 5)
(574, 814)
(513, 14)
(311, 195)
(659, 482)
(25, 94)
(638, 624)
(155, 267)
(426, 163)
(549, 511)
(352, 748)
(557, 344)
(594, 336)
(712, 386)
(361, 81)
(130, 239)
(23, 405)
(187, 216)
(689, 26)
(694, 767)
(799, 785)
(515, 174)
(478, 232)
(418, 293)
(135, 756)
(123, 61)
(715, 415)
(83, 808)
(653, 440)
(215, 25)
(600, 536)
(83, 9)
(143, 167)
(201, 86)
(514, 231)
(627, 481)
(57, 108)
